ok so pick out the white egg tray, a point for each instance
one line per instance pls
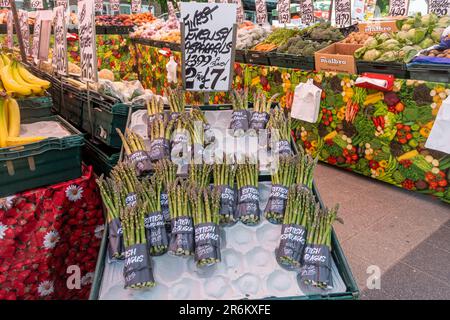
(248, 270)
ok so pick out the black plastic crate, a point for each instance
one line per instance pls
(239, 56)
(395, 68)
(258, 57)
(285, 60)
(35, 107)
(118, 29)
(101, 157)
(430, 72)
(71, 104)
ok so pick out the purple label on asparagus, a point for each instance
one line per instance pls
(131, 200)
(248, 194)
(159, 149)
(277, 200)
(207, 243)
(137, 268)
(141, 162)
(115, 239)
(317, 266)
(174, 116)
(182, 236)
(283, 147)
(156, 234)
(258, 120)
(292, 242)
(182, 225)
(227, 200)
(318, 255)
(239, 120)
(165, 206)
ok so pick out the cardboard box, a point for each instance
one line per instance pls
(337, 57)
(377, 27)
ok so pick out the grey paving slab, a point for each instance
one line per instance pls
(441, 239)
(431, 260)
(406, 283)
(376, 294)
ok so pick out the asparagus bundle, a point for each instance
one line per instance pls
(297, 219)
(205, 212)
(316, 270)
(108, 191)
(135, 151)
(240, 117)
(137, 271)
(124, 174)
(177, 102)
(280, 132)
(223, 175)
(305, 169)
(248, 195)
(155, 230)
(260, 114)
(199, 174)
(155, 109)
(182, 236)
(197, 117)
(282, 178)
(159, 132)
(167, 171)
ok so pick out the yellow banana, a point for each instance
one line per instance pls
(17, 141)
(3, 125)
(13, 117)
(10, 84)
(1, 63)
(31, 78)
(6, 59)
(36, 89)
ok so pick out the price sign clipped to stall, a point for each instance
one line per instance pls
(24, 30)
(10, 30)
(208, 39)
(36, 35)
(171, 10)
(41, 33)
(439, 7)
(398, 7)
(136, 6)
(307, 12)
(239, 11)
(343, 13)
(86, 34)
(261, 11)
(64, 3)
(99, 6)
(284, 11)
(37, 4)
(115, 6)
(5, 3)
(60, 62)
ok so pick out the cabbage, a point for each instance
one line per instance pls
(409, 53)
(391, 44)
(383, 37)
(402, 35)
(388, 56)
(436, 34)
(427, 42)
(371, 55)
(406, 27)
(360, 52)
(371, 43)
(443, 22)
(416, 35)
(429, 20)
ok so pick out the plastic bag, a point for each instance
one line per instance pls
(439, 138)
(306, 103)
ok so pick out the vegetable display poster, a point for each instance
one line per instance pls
(439, 7)
(208, 39)
(88, 50)
(398, 7)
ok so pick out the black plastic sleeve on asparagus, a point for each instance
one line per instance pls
(283, 147)
(115, 239)
(277, 199)
(248, 202)
(207, 242)
(227, 200)
(155, 230)
(182, 236)
(159, 149)
(165, 206)
(137, 268)
(292, 244)
(316, 264)
(141, 162)
(258, 120)
(239, 120)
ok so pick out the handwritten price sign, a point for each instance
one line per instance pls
(209, 36)
(5, 3)
(439, 7)
(284, 11)
(115, 5)
(239, 11)
(99, 6)
(64, 3)
(307, 11)
(37, 4)
(88, 50)
(24, 30)
(261, 11)
(10, 30)
(398, 7)
(343, 16)
(136, 6)
(60, 45)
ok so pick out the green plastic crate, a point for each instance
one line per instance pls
(42, 163)
(102, 158)
(35, 107)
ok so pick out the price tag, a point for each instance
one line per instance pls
(307, 12)
(136, 6)
(99, 6)
(208, 41)
(41, 16)
(37, 4)
(439, 7)
(88, 45)
(261, 11)
(10, 30)
(223, 1)
(24, 30)
(239, 11)
(398, 7)
(343, 13)
(60, 45)
(64, 3)
(171, 10)
(5, 3)
(284, 11)
(115, 6)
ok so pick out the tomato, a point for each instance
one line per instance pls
(399, 125)
(442, 183)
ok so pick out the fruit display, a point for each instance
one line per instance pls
(17, 81)
(159, 30)
(124, 20)
(356, 38)
(416, 33)
(249, 34)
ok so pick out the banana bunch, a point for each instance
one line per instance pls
(10, 125)
(18, 81)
